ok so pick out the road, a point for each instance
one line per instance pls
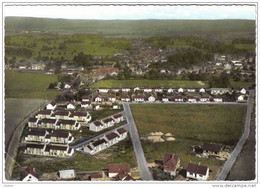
(191, 103)
(231, 160)
(85, 142)
(139, 153)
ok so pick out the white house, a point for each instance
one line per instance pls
(122, 133)
(71, 106)
(103, 90)
(240, 98)
(111, 98)
(138, 98)
(217, 99)
(151, 98)
(98, 145)
(165, 99)
(114, 169)
(115, 106)
(243, 91)
(108, 122)
(67, 174)
(51, 106)
(158, 90)
(215, 91)
(98, 98)
(170, 90)
(115, 90)
(67, 85)
(180, 90)
(30, 174)
(148, 90)
(85, 98)
(202, 90)
(85, 104)
(125, 98)
(191, 90)
(111, 138)
(197, 171)
(191, 99)
(177, 98)
(136, 89)
(96, 126)
(81, 116)
(204, 99)
(126, 89)
(117, 118)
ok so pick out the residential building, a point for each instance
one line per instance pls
(30, 174)
(197, 171)
(171, 163)
(114, 169)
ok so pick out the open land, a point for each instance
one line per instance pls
(23, 108)
(161, 83)
(190, 125)
(28, 85)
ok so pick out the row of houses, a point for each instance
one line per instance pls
(104, 142)
(49, 150)
(105, 123)
(43, 136)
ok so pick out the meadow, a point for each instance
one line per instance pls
(162, 83)
(190, 125)
(29, 85)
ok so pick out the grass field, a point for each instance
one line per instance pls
(161, 83)
(150, 83)
(190, 125)
(28, 85)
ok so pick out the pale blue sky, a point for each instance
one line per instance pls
(134, 12)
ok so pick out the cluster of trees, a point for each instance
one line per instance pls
(82, 60)
(219, 81)
(21, 52)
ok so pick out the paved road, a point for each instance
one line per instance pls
(139, 154)
(85, 142)
(231, 160)
(191, 103)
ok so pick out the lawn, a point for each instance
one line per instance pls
(149, 83)
(190, 125)
(28, 85)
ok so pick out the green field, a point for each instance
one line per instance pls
(216, 29)
(28, 85)
(162, 83)
(190, 125)
(150, 83)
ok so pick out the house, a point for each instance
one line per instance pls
(122, 133)
(123, 176)
(126, 89)
(204, 99)
(138, 98)
(68, 85)
(202, 90)
(22, 67)
(33, 122)
(38, 66)
(85, 98)
(108, 122)
(111, 98)
(111, 138)
(136, 89)
(81, 116)
(96, 107)
(116, 89)
(180, 90)
(85, 104)
(36, 135)
(165, 99)
(177, 98)
(217, 99)
(48, 123)
(115, 106)
(50, 71)
(96, 126)
(103, 90)
(191, 99)
(62, 115)
(43, 114)
(150, 98)
(125, 98)
(68, 125)
(197, 171)
(114, 169)
(61, 137)
(96, 177)
(67, 174)
(241, 98)
(191, 90)
(148, 90)
(30, 174)
(97, 146)
(51, 106)
(71, 106)
(98, 98)
(170, 90)
(58, 151)
(243, 91)
(215, 91)
(34, 149)
(211, 148)
(171, 164)
(158, 89)
(117, 118)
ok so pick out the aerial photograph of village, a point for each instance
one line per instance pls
(127, 92)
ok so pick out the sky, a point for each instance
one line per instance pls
(133, 12)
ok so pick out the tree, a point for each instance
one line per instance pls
(51, 86)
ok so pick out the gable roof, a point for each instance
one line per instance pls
(44, 112)
(62, 113)
(211, 147)
(60, 134)
(116, 168)
(111, 136)
(32, 120)
(37, 132)
(98, 142)
(68, 122)
(117, 116)
(121, 130)
(123, 176)
(107, 120)
(45, 120)
(83, 114)
(197, 168)
(170, 161)
(97, 123)
(30, 170)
